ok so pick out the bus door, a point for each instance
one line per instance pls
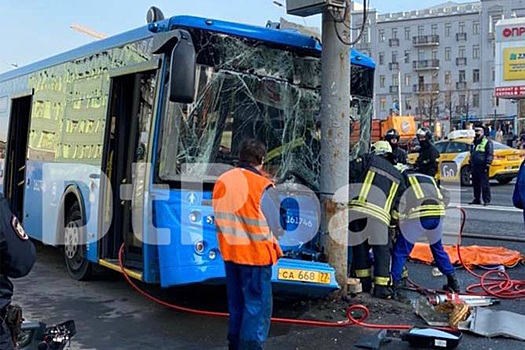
(15, 179)
(125, 165)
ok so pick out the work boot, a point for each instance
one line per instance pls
(366, 283)
(475, 202)
(397, 292)
(452, 284)
(382, 292)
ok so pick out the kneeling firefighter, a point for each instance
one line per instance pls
(375, 188)
(422, 211)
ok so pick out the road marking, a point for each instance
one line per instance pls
(490, 207)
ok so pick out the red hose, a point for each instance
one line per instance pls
(503, 287)
(348, 322)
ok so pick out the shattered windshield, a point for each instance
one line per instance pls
(251, 91)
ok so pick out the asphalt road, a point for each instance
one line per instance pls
(109, 315)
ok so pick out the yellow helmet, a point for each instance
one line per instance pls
(381, 148)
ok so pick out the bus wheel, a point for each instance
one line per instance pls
(466, 176)
(75, 252)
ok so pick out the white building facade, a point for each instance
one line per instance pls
(442, 59)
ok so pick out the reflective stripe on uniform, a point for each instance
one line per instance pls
(382, 281)
(225, 230)
(363, 273)
(367, 185)
(242, 219)
(416, 187)
(391, 196)
(372, 210)
(482, 145)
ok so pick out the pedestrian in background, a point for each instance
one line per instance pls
(246, 210)
(481, 155)
(519, 190)
(499, 136)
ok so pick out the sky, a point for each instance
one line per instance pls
(31, 30)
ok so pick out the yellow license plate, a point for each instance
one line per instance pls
(304, 276)
(513, 157)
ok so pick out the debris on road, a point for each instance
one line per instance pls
(490, 323)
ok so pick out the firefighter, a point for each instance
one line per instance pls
(246, 210)
(17, 256)
(375, 187)
(481, 155)
(427, 161)
(422, 210)
(392, 136)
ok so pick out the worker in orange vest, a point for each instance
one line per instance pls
(246, 209)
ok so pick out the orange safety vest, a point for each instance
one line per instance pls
(242, 230)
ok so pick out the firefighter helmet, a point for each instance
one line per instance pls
(391, 134)
(381, 148)
(424, 133)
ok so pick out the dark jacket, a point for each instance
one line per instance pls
(400, 155)
(519, 190)
(427, 161)
(17, 252)
(481, 152)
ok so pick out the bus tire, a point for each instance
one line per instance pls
(75, 251)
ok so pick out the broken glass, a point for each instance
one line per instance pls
(250, 90)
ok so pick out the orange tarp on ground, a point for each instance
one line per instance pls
(472, 255)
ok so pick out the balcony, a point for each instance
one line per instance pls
(426, 65)
(461, 61)
(393, 65)
(461, 85)
(394, 42)
(461, 36)
(426, 88)
(425, 40)
(394, 89)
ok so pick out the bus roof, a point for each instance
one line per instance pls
(288, 38)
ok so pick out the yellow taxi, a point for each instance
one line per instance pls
(455, 154)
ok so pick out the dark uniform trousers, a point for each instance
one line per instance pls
(480, 182)
(6, 342)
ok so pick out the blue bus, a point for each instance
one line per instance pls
(120, 142)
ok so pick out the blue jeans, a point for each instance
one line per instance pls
(403, 247)
(250, 304)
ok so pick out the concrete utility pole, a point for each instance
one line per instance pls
(335, 140)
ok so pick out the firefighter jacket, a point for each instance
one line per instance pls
(242, 229)
(379, 185)
(427, 161)
(481, 152)
(422, 198)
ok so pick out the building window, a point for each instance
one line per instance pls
(448, 52)
(407, 56)
(420, 55)
(382, 104)
(475, 100)
(394, 56)
(434, 54)
(493, 49)
(408, 79)
(493, 20)
(461, 27)
(462, 51)
(420, 30)
(365, 38)
(381, 58)
(475, 27)
(475, 51)
(448, 99)
(381, 35)
(434, 29)
(448, 29)
(394, 33)
(448, 77)
(493, 74)
(462, 100)
(407, 33)
(475, 75)
(408, 104)
(462, 76)
(395, 80)
(382, 80)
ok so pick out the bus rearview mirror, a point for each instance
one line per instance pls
(182, 70)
